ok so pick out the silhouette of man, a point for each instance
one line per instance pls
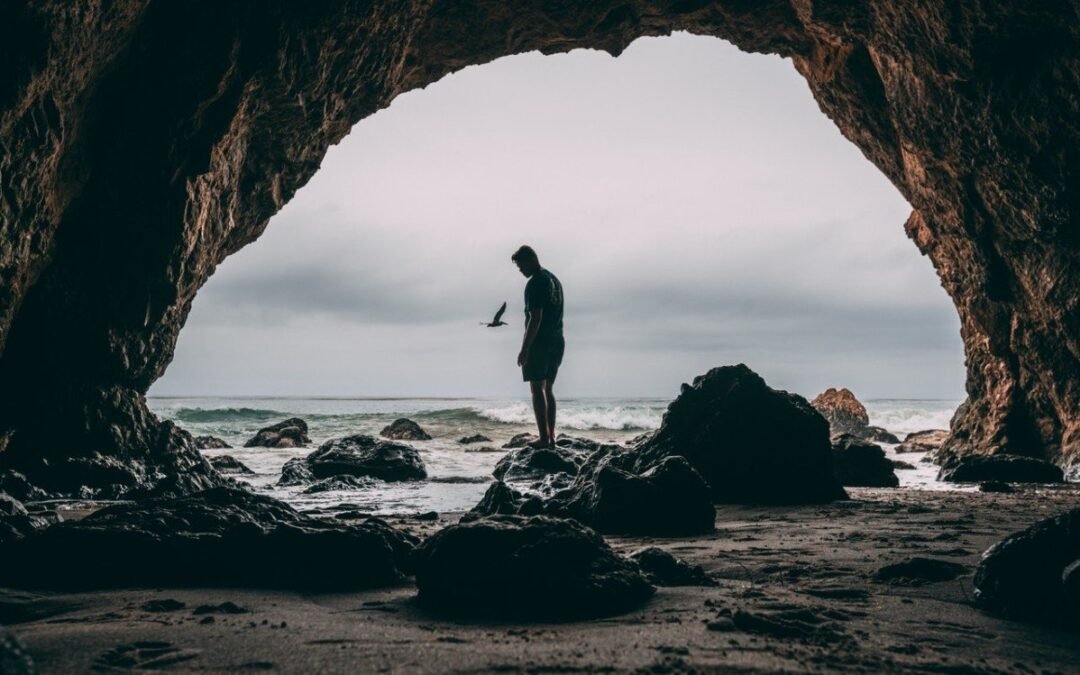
(543, 345)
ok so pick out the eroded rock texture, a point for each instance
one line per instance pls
(142, 143)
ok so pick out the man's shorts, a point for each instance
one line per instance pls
(544, 360)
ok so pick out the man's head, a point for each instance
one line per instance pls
(526, 260)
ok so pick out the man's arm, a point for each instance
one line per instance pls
(535, 317)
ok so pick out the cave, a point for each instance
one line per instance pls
(142, 144)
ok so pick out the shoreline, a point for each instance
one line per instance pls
(799, 578)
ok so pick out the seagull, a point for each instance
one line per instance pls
(497, 321)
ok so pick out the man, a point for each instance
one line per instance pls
(542, 349)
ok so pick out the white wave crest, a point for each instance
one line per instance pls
(582, 418)
(904, 417)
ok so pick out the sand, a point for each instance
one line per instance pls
(795, 593)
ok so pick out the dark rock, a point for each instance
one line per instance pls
(996, 486)
(230, 464)
(342, 482)
(752, 444)
(520, 441)
(220, 537)
(483, 448)
(930, 440)
(227, 607)
(17, 486)
(526, 568)
(859, 463)
(917, 571)
(531, 463)
(663, 569)
(842, 411)
(1031, 574)
(163, 605)
(475, 438)
(639, 439)
(1005, 468)
(9, 506)
(578, 444)
(878, 435)
(902, 466)
(296, 472)
(404, 430)
(210, 443)
(552, 484)
(427, 516)
(13, 657)
(363, 455)
(16, 521)
(290, 433)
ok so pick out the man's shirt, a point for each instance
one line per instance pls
(544, 291)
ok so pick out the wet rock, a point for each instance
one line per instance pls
(663, 569)
(902, 466)
(842, 411)
(363, 455)
(1005, 468)
(210, 443)
(16, 521)
(531, 463)
(537, 568)
(13, 657)
(639, 439)
(17, 486)
(296, 472)
(859, 463)
(552, 484)
(475, 438)
(930, 440)
(426, 516)
(996, 486)
(227, 607)
(403, 429)
(918, 571)
(483, 448)
(9, 506)
(290, 433)
(520, 441)
(230, 464)
(878, 435)
(752, 444)
(578, 444)
(343, 482)
(219, 537)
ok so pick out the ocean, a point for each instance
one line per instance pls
(458, 479)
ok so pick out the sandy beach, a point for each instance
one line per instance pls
(795, 593)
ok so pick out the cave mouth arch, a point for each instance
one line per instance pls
(144, 144)
(742, 225)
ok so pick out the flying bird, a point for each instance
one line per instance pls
(497, 321)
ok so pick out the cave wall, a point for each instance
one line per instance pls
(142, 143)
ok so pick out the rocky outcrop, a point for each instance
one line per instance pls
(526, 568)
(296, 472)
(663, 569)
(930, 440)
(220, 537)
(403, 429)
(475, 438)
(230, 464)
(290, 433)
(1031, 575)
(210, 443)
(1004, 468)
(859, 463)
(844, 413)
(144, 143)
(520, 441)
(335, 483)
(752, 444)
(362, 455)
(530, 463)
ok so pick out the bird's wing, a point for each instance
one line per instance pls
(498, 314)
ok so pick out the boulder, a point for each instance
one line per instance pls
(1032, 574)
(218, 537)
(530, 463)
(475, 438)
(1004, 468)
(290, 433)
(520, 441)
(902, 466)
(996, 486)
(296, 472)
(210, 443)
(878, 435)
(17, 486)
(403, 429)
(581, 444)
(930, 440)
(229, 464)
(663, 569)
(536, 568)
(752, 444)
(483, 448)
(16, 521)
(859, 463)
(918, 571)
(344, 482)
(362, 455)
(842, 411)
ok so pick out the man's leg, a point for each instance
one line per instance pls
(539, 401)
(549, 390)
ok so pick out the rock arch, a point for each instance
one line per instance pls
(142, 143)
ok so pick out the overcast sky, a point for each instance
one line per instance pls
(698, 207)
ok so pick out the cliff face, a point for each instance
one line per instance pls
(142, 143)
